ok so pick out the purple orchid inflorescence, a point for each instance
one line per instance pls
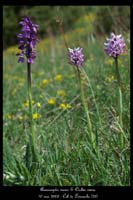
(76, 56)
(27, 40)
(115, 45)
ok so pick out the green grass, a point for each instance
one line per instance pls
(65, 153)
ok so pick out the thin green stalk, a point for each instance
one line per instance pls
(91, 134)
(93, 98)
(117, 72)
(32, 133)
(120, 107)
(119, 97)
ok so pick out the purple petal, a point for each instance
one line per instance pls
(21, 59)
(30, 60)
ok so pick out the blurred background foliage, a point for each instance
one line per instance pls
(98, 20)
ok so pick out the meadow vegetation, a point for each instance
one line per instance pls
(66, 156)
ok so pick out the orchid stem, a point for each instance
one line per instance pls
(32, 133)
(119, 97)
(91, 134)
(117, 72)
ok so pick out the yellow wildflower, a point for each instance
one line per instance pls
(65, 106)
(58, 77)
(10, 116)
(109, 78)
(20, 117)
(51, 101)
(36, 116)
(44, 82)
(38, 105)
(33, 101)
(26, 104)
(61, 93)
